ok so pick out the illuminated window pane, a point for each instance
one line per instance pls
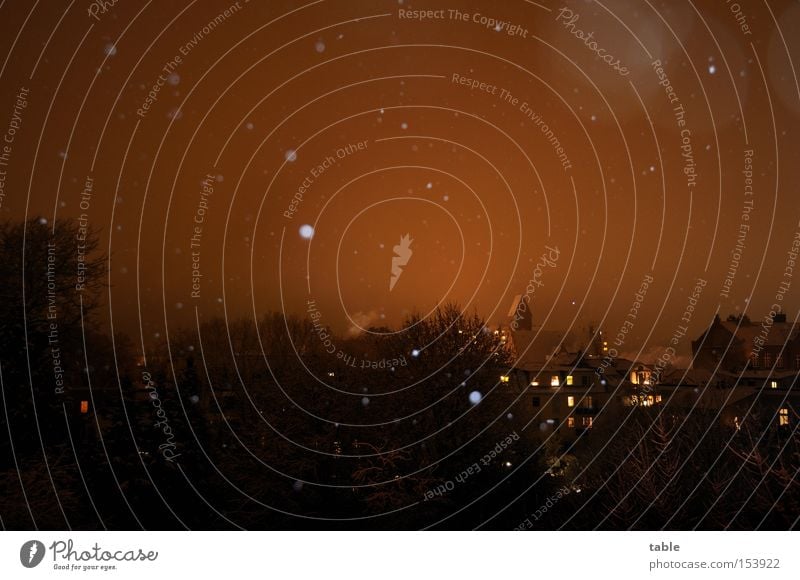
(503, 378)
(569, 380)
(587, 422)
(570, 422)
(554, 382)
(773, 384)
(783, 418)
(84, 407)
(570, 401)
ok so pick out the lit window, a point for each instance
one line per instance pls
(570, 422)
(658, 398)
(554, 382)
(587, 422)
(84, 407)
(503, 378)
(534, 383)
(570, 401)
(783, 417)
(569, 380)
(773, 384)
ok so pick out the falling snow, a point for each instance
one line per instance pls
(306, 231)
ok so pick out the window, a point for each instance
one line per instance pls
(84, 407)
(570, 401)
(658, 398)
(779, 361)
(585, 381)
(536, 401)
(797, 361)
(569, 380)
(570, 422)
(503, 378)
(588, 402)
(754, 360)
(773, 384)
(554, 381)
(534, 383)
(783, 417)
(587, 422)
(767, 360)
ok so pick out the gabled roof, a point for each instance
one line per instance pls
(779, 333)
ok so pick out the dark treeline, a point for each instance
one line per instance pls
(276, 423)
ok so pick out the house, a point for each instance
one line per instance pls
(729, 345)
(741, 372)
(757, 397)
(569, 392)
